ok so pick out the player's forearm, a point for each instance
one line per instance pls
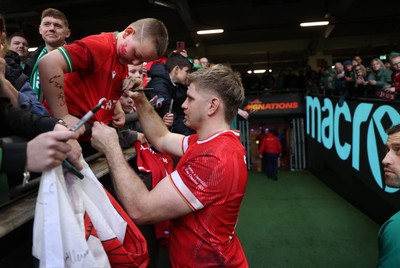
(130, 189)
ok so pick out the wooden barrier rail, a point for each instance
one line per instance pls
(22, 210)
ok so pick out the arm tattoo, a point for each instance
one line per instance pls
(56, 84)
(61, 97)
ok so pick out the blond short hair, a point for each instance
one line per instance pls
(225, 83)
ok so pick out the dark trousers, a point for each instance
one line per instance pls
(270, 163)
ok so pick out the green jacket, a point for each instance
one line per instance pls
(382, 78)
(389, 243)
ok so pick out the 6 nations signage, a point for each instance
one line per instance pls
(368, 123)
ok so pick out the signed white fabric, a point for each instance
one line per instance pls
(59, 235)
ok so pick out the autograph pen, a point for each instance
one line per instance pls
(83, 120)
(170, 106)
(87, 116)
(136, 89)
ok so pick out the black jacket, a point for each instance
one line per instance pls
(163, 87)
(31, 61)
(16, 122)
(14, 71)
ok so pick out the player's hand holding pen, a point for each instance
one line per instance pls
(131, 83)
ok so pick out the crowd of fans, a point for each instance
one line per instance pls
(167, 80)
(353, 78)
(90, 91)
(350, 78)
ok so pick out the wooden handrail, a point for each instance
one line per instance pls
(22, 210)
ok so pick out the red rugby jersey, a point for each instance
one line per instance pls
(211, 176)
(95, 73)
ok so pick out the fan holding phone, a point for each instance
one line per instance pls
(169, 81)
(181, 48)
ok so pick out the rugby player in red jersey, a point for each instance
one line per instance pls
(202, 196)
